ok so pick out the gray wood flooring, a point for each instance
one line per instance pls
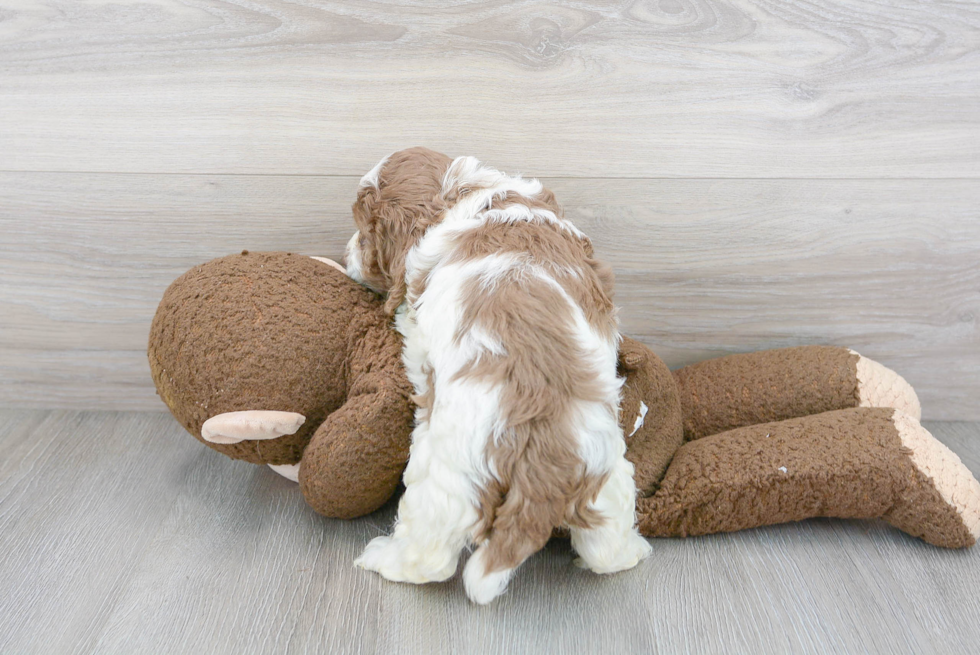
(121, 534)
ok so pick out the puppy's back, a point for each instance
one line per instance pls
(547, 307)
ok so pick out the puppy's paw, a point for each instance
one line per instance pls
(626, 556)
(379, 556)
(394, 560)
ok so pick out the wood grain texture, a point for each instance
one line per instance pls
(679, 88)
(705, 268)
(121, 533)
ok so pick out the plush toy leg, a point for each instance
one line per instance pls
(355, 459)
(775, 385)
(650, 414)
(853, 463)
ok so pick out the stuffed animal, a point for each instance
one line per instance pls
(280, 359)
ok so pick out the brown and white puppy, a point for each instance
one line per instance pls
(510, 341)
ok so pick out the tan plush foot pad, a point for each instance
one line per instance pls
(851, 463)
(879, 386)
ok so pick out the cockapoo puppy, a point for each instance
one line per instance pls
(510, 341)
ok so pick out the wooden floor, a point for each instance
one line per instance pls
(119, 533)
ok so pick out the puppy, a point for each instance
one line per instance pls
(510, 341)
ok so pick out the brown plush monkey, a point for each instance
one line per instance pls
(280, 359)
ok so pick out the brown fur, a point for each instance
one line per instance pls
(558, 252)
(393, 216)
(542, 481)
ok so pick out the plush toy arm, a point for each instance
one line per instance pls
(774, 385)
(853, 463)
(355, 459)
(650, 414)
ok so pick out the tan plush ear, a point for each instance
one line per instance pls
(330, 262)
(250, 425)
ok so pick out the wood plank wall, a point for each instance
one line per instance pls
(761, 174)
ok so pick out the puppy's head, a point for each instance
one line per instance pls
(396, 202)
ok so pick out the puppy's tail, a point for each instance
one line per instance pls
(545, 490)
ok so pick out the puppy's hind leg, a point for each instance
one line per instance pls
(614, 544)
(434, 521)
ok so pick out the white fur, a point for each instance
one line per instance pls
(447, 464)
(352, 258)
(371, 178)
(481, 587)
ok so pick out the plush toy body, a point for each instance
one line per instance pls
(272, 358)
(281, 359)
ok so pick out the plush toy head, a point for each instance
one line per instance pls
(268, 331)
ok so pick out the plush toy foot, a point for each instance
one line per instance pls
(862, 462)
(393, 559)
(879, 386)
(775, 385)
(233, 427)
(941, 503)
(288, 471)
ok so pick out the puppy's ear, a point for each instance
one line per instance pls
(398, 231)
(364, 209)
(465, 174)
